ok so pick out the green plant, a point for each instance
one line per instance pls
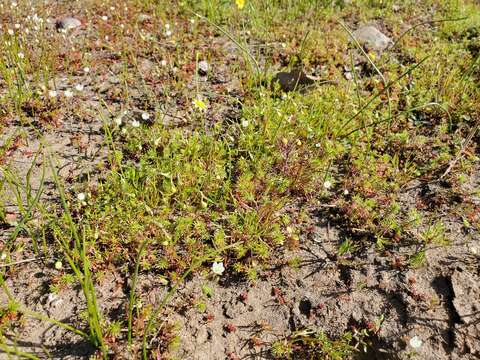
(312, 344)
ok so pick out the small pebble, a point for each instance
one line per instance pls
(203, 67)
(143, 18)
(53, 300)
(68, 23)
(372, 38)
(416, 342)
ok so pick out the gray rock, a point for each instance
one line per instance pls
(203, 67)
(143, 18)
(146, 66)
(372, 38)
(68, 23)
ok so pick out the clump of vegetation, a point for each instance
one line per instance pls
(311, 344)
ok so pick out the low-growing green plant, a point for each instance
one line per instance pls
(316, 345)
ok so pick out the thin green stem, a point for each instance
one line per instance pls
(133, 287)
(364, 107)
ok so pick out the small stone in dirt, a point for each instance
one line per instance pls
(293, 80)
(372, 38)
(67, 23)
(146, 66)
(53, 300)
(203, 67)
(143, 18)
(201, 336)
(415, 342)
(228, 311)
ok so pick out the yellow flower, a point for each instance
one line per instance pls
(199, 104)
(240, 4)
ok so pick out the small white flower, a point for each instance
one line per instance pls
(192, 21)
(135, 123)
(167, 26)
(68, 93)
(415, 342)
(327, 184)
(17, 26)
(163, 62)
(3, 256)
(317, 145)
(346, 192)
(79, 87)
(14, 4)
(81, 196)
(168, 33)
(58, 265)
(21, 55)
(52, 93)
(145, 116)
(218, 268)
(104, 18)
(245, 123)
(86, 69)
(118, 120)
(10, 32)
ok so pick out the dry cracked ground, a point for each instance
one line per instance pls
(95, 88)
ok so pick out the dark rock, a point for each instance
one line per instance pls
(293, 80)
